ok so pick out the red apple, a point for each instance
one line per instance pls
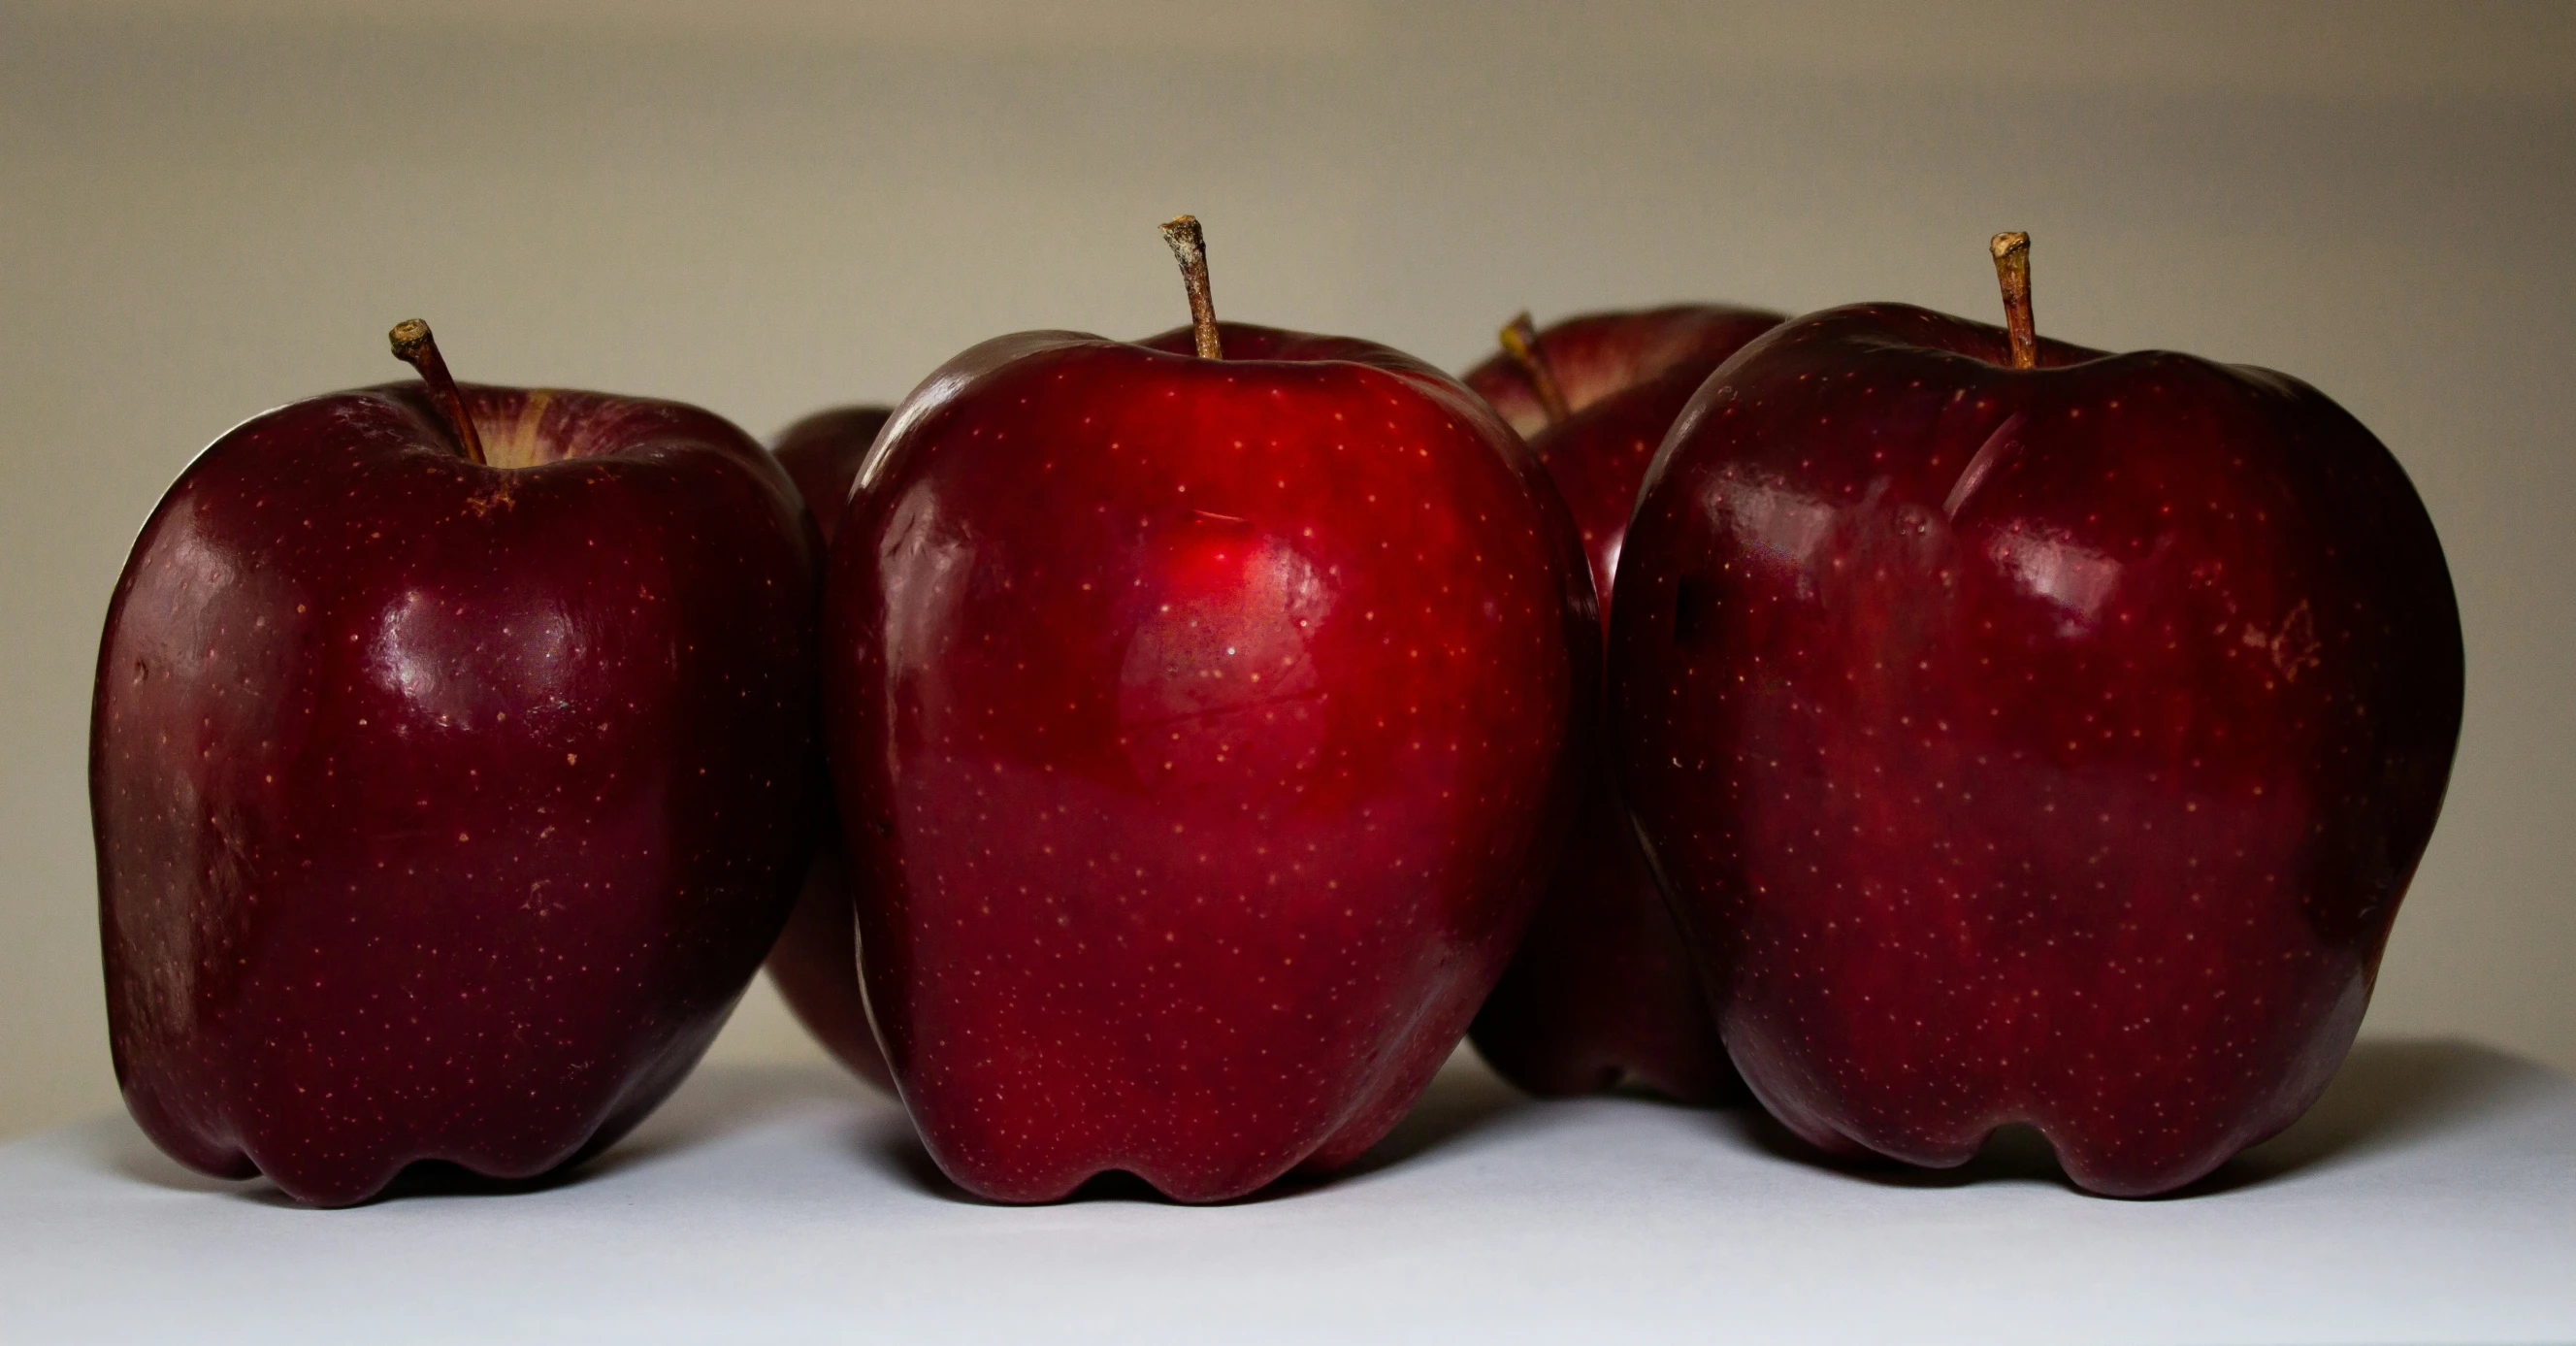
(822, 454)
(1204, 724)
(2028, 734)
(816, 960)
(445, 804)
(1601, 989)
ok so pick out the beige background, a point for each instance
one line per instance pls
(771, 205)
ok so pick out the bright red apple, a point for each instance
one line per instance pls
(1601, 989)
(1206, 712)
(2028, 734)
(816, 960)
(453, 763)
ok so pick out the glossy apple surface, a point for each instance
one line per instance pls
(2046, 746)
(444, 810)
(816, 960)
(1203, 730)
(1601, 990)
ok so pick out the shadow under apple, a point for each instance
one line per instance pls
(2388, 1093)
(1464, 1097)
(707, 1106)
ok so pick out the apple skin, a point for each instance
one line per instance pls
(1203, 732)
(816, 960)
(822, 454)
(2045, 746)
(1601, 990)
(443, 811)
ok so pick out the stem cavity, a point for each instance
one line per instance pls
(1189, 244)
(414, 346)
(1520, 341)
(2012, 272)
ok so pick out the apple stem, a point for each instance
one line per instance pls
(1189, 244)
(414, 346)
(1520, 341)
(2012, 271)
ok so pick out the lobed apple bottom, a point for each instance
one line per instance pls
(1202, 727)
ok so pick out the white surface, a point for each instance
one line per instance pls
(2431, 1197)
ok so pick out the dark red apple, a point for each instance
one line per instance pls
(816, 960)
(446, 802)
(2031, 735)
(1601, 989)
(822, 454)
(1204, 725)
